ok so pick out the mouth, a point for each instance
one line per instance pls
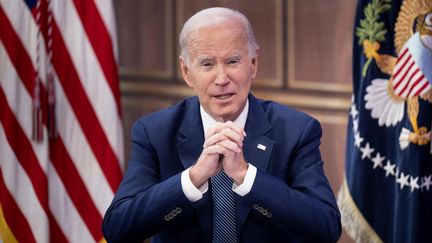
(224, 96)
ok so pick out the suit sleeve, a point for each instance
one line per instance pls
(144, 204)
(305, 204)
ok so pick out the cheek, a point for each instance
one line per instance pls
(202, 84)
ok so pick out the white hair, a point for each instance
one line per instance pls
(212, 16)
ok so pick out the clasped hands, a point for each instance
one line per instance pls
(223, 149)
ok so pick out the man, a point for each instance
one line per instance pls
(183, 157)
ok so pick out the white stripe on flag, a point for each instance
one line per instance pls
(23, 23)
(401, 78)
(89, 72)
(79, 150)
(405, 82)
(106, 11)
(20, 103)
(65, 212)
(21, 188)
(73, 223)
(26, 29)
(421, 87)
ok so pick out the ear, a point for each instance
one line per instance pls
(185, 71)
(255, 64)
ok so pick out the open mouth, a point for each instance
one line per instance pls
(223, 96)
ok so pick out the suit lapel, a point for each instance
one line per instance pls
(190, 139)
(257, 149)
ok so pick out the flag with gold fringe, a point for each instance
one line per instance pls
(61, 137)
(387, 192)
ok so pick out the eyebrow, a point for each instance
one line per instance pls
(204, 58)
(201, 59)
(235, 56)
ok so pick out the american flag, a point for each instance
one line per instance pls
(408, 79)
(61, 140)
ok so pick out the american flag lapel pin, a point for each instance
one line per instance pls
(262, 147)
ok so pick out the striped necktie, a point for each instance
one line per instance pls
(224, 226)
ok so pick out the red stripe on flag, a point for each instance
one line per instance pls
(422, 88)
(21, 60)
(21, 145)
(400, 69)
(411, 83)
(84, 111)
(405, 51)
(101, 43)
(407, 81)
(14, 218)
(76, 188)
(16, 51)
(74, 185)
(402, 79)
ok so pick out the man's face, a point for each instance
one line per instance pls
(220, 69)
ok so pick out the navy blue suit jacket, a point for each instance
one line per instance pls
(290, 200)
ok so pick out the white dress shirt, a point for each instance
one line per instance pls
(194, 194)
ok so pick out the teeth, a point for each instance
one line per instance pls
(223, 97)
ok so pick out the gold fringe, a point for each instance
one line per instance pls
(102, 240)
(352, 219)
(6, 234)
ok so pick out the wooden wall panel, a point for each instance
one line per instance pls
(320, 44)
(333, 152)
(268, 33)
(145, 37)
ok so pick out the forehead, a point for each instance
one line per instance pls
(224, 38)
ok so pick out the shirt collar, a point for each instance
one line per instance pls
(209, 122)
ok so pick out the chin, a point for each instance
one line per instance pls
(229, 116)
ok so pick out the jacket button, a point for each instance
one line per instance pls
(178, 210)
(256, 206)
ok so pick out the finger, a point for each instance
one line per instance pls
(217, 128)
(214, 139)
(214, 149)
(222, 126)
(228, 144)
(227, 133)
(234, 127)
(233, 136)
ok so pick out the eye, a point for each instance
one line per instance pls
(206, 64)
(233, 61)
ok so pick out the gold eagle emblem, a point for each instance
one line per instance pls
(410, 73)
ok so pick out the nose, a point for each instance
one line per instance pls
(222, 77)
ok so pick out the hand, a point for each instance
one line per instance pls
(225, 141)
(229, 141)
(206, 166)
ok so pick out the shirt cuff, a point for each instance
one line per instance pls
(248, 181)
(192, 193)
